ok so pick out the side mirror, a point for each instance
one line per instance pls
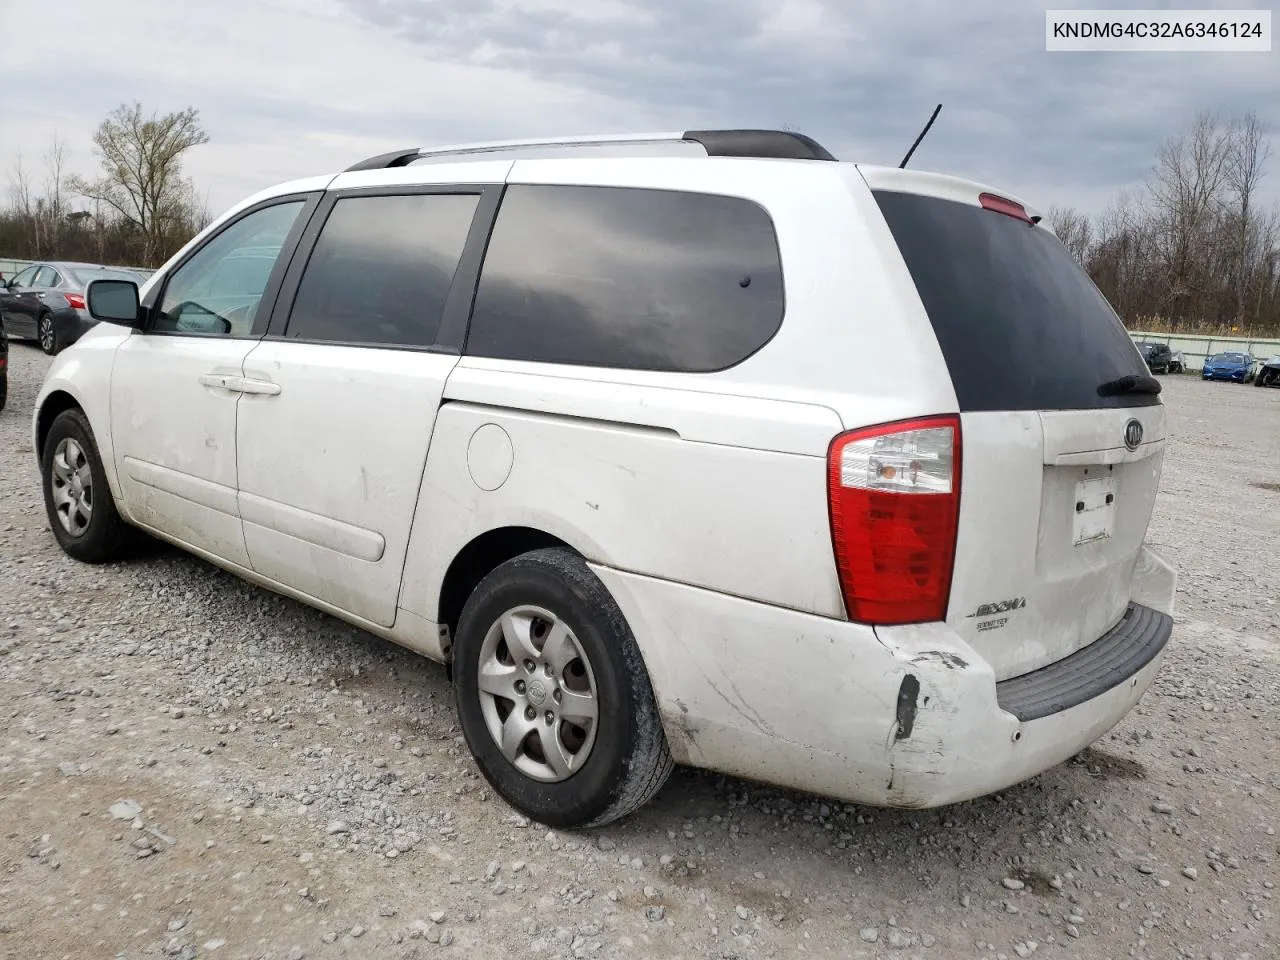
(115, 301)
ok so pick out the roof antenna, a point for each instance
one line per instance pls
(936, 111)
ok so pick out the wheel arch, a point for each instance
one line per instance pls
(56, 402)
(58, 396)
(482, 555)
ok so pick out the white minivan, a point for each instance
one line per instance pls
(701, 448)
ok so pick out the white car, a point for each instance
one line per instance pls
(700, 447)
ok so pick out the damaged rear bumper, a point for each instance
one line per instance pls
(901, 716)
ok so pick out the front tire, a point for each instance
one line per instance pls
(553, 696)
(48, 332)
(77, 499)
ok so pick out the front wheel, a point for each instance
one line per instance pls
(77, 499)
(553, 696)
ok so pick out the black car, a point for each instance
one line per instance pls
(1158, 355)
(45, 301)
(4, 367)
(1268, 373)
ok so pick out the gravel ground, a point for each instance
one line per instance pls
(191, 767)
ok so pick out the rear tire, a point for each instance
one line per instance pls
(524, 707)
(47, 332)
(81, 511)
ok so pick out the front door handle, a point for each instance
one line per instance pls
(261, 388)
(214, 381)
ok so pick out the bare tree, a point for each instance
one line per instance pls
(23, 202)
(1246, 165)
(142, 172)
(1074, 230)
(1186, 193)
(55, 161)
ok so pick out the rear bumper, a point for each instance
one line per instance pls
(72, 325)
(902, 716)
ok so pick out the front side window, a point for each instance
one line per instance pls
(25, 278)
(632, 278)
(381, 270)
(218, 291)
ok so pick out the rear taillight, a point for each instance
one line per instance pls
(894, 496)
(75, 301)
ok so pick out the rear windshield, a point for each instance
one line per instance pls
(1021, 325)
(86, 275)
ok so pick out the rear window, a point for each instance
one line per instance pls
(86, 275)
(1020, 324)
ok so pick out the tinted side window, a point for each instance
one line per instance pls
(381, 269)
(219, 289)
(619, 277)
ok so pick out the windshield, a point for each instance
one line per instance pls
(1020, 324)
(1227, 358)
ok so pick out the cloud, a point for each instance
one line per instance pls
(290, 88)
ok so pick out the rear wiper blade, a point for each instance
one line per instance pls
(1129, 384)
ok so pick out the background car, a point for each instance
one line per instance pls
(4, 367)
(1177, 363)
(1234, 366)
(1268, 374)
(1158, 355)
(45, 301)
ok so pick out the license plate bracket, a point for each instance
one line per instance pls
(1095, 508)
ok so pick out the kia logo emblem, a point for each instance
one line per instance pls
(1132, 434)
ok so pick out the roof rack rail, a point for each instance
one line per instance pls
(767, 144)
(773, 144)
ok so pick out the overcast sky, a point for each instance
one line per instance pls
(290, 88)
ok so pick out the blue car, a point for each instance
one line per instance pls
(1228, 366)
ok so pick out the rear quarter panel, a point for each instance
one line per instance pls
(659, 484)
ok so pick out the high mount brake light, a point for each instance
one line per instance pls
(1009, 208)
(894, 496)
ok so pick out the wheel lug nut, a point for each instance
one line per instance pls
(551, 718)
(519, 686)
(557, 696)
(530, 713)
(530, 666)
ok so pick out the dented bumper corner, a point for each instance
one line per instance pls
(900, 716)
